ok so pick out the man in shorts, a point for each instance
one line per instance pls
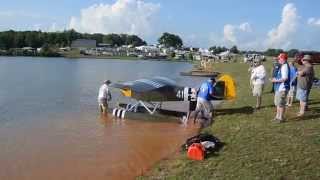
(104, 96)
(257, 79)
(204, 106)
(305, 80)
(281, 87)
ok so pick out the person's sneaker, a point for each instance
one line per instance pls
(300, 114)
(274, 119)
(278, 120)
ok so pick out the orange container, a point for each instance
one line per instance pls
(196, 152)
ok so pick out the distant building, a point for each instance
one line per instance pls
(104, 45)
(83, 44)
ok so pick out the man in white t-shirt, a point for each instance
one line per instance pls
(258, 76)
(104, 96)
(281, 87)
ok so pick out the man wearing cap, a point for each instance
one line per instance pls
(204, 106)
(281, 86)
(257, 80)
(104, 96)
(305, 80)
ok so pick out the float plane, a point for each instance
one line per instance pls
(149, 93)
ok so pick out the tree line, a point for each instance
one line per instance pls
(36, 39)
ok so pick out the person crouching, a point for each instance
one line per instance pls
(204, 106)
(104, 96)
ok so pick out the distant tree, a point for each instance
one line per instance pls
(97, 37)
(7, 38)
(20, 40)
(234, 49)
(213, 49)
(217, 49)
(273, 52)
(113, 39)
(292, 52)
(133, 40)
(170, 40)
(49, 51)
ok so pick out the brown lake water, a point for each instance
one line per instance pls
(50, 127)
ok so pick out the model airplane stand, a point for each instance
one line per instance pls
(186, 94)
(152, 110)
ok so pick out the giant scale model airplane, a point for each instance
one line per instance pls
(149, 93)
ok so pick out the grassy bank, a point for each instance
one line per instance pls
(255, 147)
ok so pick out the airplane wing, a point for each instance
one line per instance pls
(151, 89)
(145, 85)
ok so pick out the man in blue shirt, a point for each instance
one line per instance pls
(205, 95)
(281, 87)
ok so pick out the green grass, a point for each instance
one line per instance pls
(255, 147)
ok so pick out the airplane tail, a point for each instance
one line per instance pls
(230, 92)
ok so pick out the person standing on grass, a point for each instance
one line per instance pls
(305, 80)
(293, 83)
(281, 87)
(275, 69)
(258, 76)
(104, 96)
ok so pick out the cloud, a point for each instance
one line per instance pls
(280, 37)
(314, 22)
(231, 32)
(245, 27)
(124, 16)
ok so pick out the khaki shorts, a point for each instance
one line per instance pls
(257, 89)
(280, 99)
(205, 107)
(103, 102)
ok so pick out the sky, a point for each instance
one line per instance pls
(248, 24)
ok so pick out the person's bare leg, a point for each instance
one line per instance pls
(100, 108)
(258, 104)
(105, 109)
(290, 101)
(281, 113)
(277, 114)
(185, 121)
(302, 108)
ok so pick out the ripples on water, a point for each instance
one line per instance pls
(50, 127)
